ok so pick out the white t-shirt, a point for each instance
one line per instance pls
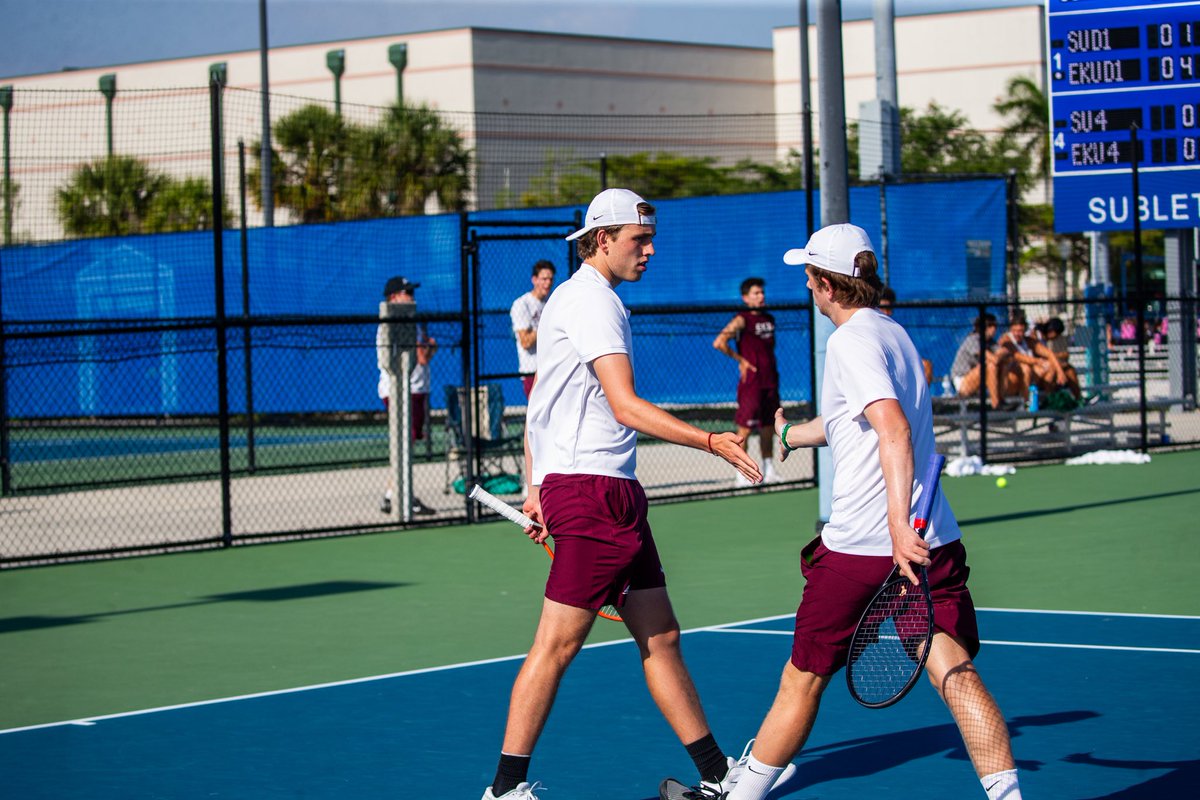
(418, 377)
(868, 358)
(571, 426)
(526, 312)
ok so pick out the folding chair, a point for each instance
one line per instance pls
(495, 445)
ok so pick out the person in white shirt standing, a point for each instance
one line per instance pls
(581, 432)
(399, 289)
(525, 313)
(877, 418)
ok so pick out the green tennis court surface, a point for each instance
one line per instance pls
(1096, 707)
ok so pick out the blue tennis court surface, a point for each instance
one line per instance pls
(1100, 706)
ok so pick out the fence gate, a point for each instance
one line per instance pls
(498, 261)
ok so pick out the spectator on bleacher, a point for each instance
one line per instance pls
(1052, 335)
(525, 314)
(753, 329)
(887, 299)
(965, 372)
(1035, 363)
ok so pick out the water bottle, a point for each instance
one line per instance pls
(947, 386)
(1033, 398)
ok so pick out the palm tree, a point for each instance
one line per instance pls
(109, 197)
(409, 157)
(308, 164)
(1028, 111)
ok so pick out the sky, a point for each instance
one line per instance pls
(52, 35)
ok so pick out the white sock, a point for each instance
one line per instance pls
(1002, 785)
(388, 494)
(756, 780)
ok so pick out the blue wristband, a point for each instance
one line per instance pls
(783, 438)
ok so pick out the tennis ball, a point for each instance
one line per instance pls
(1001, 482)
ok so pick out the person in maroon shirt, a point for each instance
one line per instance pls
(758, 377)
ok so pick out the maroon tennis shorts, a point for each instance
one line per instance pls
(755, 405)
(420, 410)
(602, 541)
(838, 587)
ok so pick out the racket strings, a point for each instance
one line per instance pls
(889, 646)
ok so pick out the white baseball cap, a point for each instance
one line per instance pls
(613, 207)
(833, 248)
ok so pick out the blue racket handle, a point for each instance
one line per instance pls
(933, 474)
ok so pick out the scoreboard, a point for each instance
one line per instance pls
(1116, 64)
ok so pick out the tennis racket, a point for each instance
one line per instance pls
(891, 643)
(480, 495)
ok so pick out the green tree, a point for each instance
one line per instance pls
(659, 175)
(1028, 112)
(307, 167)
(397, 165)
(937, 141)
(184, 206)
(109, 197)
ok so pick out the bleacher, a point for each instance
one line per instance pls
(1108, 416)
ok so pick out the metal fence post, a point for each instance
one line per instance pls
(218, 217)
(248, 349)
(470, 261)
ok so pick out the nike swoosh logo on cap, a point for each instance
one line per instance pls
(598, 216)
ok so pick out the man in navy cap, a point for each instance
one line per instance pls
(399, 289)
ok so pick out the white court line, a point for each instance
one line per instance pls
(1062, 645)
(729, 627)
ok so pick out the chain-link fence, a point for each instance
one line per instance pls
(163, 387)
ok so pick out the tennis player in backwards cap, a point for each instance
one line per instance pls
(582, 423)
(878, 420)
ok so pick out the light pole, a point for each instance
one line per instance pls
(398, 55)
(108, 88)
(6, 102)
(268, 193)
(336, 61)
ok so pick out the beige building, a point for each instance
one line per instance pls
(960, 60)
(528, 103)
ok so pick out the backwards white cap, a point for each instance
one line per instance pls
(613, 207)
(833, 248)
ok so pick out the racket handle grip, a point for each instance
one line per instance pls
(933, 474)
(481, 495)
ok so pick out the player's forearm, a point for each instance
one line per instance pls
(806, 434)
(645, 417)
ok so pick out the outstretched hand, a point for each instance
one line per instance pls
(729, 447)
(780, 422)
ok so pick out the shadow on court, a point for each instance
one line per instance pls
(871, 755)
(278, 594)
(1068, 509)
(1179, 782)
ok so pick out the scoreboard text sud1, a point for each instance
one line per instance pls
(1115, 64)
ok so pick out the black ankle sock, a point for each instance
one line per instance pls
(709, 758)
(511, 771)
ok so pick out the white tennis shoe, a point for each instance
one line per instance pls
(671, 789)
(524, 791)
